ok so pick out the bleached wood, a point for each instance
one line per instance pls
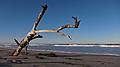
(33, 34)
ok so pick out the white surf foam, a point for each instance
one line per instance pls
(89, 45)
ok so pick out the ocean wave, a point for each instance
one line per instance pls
(89, 45)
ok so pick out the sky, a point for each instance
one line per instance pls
(100, 20)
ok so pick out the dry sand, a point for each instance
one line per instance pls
(48, 59)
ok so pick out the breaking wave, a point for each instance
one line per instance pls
(89, 45)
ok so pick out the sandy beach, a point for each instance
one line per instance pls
(55, 59)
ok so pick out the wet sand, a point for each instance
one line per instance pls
(55, 59)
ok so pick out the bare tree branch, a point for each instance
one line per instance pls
(62, 34)
(17, 42)
(33, 33)
(75, 25)
(40, 16)
(40, 31)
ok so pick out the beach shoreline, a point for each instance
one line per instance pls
(56, 59)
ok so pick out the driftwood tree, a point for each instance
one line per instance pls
(33, 34)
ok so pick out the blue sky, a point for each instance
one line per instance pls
(100, 20)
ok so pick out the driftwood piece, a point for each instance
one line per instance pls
(75, 25)
(33, 34)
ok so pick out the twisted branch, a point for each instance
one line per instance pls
(75, 25)
(33, 33)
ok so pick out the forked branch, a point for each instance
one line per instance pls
(75, 25)
(33, 34)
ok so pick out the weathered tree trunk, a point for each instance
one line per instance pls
(33, 33)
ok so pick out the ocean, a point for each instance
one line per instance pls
(82, 49)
